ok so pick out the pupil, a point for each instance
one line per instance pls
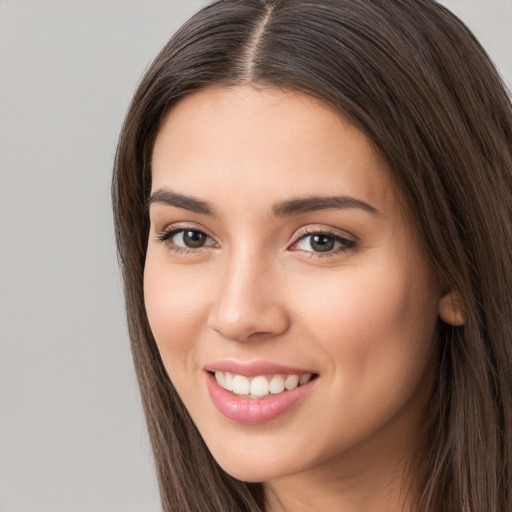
(194, 239)
(322, 243)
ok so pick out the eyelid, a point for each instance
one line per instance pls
(164, 235)
(185, 226)
(348, 242)
(317, 229)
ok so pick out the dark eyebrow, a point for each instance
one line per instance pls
(308, 204)
(282, 209)
(170, 198)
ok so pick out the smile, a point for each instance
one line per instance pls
(260, 386)
(261, 394)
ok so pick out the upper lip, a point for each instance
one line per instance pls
(254, 368)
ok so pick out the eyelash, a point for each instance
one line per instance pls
(347, 244)
(166, 236)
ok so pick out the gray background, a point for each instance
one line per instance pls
(72, 437)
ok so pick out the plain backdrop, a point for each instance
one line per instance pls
(72, 435)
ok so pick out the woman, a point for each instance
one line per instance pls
(313, 206)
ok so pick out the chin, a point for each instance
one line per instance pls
(248, 469)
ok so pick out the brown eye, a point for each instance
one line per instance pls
(194, 239)
(323, 243)
(185, 239)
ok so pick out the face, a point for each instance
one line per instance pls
(288, 297)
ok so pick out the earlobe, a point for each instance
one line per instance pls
(451, 309)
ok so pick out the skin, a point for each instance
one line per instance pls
(362, 317)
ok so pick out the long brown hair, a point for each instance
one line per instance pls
(413, 78)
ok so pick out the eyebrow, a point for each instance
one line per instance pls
(281, 209)
(166, 196)
(308, 204)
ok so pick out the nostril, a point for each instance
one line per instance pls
(260, 334)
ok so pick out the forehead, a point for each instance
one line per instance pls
(242, 146)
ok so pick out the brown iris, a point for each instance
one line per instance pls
(194, 239)
(322, 242)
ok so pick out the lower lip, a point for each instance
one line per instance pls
(254, 410)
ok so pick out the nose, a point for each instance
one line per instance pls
(248, 305)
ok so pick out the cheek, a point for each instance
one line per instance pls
(376, 327)
(174, 303)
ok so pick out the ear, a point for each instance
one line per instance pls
(451, 309)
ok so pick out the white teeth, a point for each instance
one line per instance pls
(305, 379)
(261, 385)
(241, 385)
(228, 381)
(276, 384)
(291, 382)
(219, 377)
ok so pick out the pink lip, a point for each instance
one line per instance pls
(255, 410)
(254, 368)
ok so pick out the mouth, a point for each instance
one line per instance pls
(259, 392)
(261, 386)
